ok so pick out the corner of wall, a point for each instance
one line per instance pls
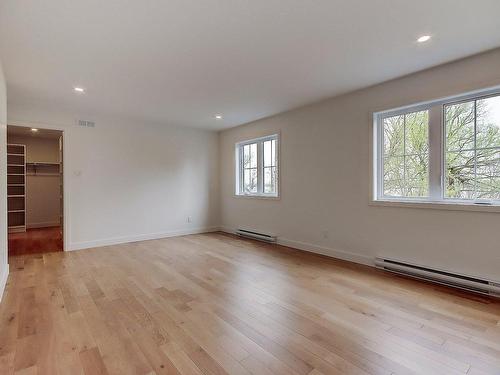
(4, 266)
(4, 275)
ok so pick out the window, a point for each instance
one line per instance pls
(442, 151)
(406, 155)
(473, 149)
(257, 167)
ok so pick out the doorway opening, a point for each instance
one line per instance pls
(35, 198)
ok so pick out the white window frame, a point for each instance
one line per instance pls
(260, 167)
(437, 151)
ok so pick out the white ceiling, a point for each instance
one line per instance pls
(183, 61)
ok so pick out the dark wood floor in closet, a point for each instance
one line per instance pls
(35, 241)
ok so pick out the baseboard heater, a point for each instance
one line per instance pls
(256, 235)
(468, 283)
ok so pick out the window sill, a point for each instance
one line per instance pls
(453, 206)
(264, 197)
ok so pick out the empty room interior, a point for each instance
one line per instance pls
(266, 187)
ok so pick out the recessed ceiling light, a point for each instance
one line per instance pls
(34, 130)
(78, 89)
(423, 38)
(218, 117)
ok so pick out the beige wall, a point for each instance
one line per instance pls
(325, 180)
(4, 267)
(42, 192)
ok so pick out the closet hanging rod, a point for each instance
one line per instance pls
(42, 163)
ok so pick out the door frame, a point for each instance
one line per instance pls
(62, 129)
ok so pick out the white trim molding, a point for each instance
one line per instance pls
(317, 249)
(328, 251)
(3, 280)
(442, 205)
(141, 237)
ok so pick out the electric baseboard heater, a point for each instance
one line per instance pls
(468, 283)
(256, 235)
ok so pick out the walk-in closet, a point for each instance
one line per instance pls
(34, 190)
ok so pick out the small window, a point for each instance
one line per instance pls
(257, 167)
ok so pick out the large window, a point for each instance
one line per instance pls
(443, 151)
(257, 167)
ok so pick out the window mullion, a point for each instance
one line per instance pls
(239, 188)
(436, 150)
(380, 158)
(260, 167)
(276, 167)
(242, 173)
(475, 149)
(405, 187)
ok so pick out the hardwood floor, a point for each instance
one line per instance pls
(216, 304)
(34, 241)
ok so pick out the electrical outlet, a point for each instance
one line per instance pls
(325, 234)
(189, 219)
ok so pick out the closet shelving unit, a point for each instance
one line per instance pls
(16, 187)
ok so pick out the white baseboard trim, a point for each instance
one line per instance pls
(333, 253)
(43, 225)
(141, 237)
(3, 280)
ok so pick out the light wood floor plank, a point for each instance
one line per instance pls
(213, 304)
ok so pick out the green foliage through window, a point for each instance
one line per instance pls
(406, 155)
(472, 151)
(468, 151)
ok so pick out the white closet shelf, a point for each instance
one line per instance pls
(16, 215)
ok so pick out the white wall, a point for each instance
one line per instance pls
(325, 180)
(42, 192)
(4, 267)
(126, 181)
